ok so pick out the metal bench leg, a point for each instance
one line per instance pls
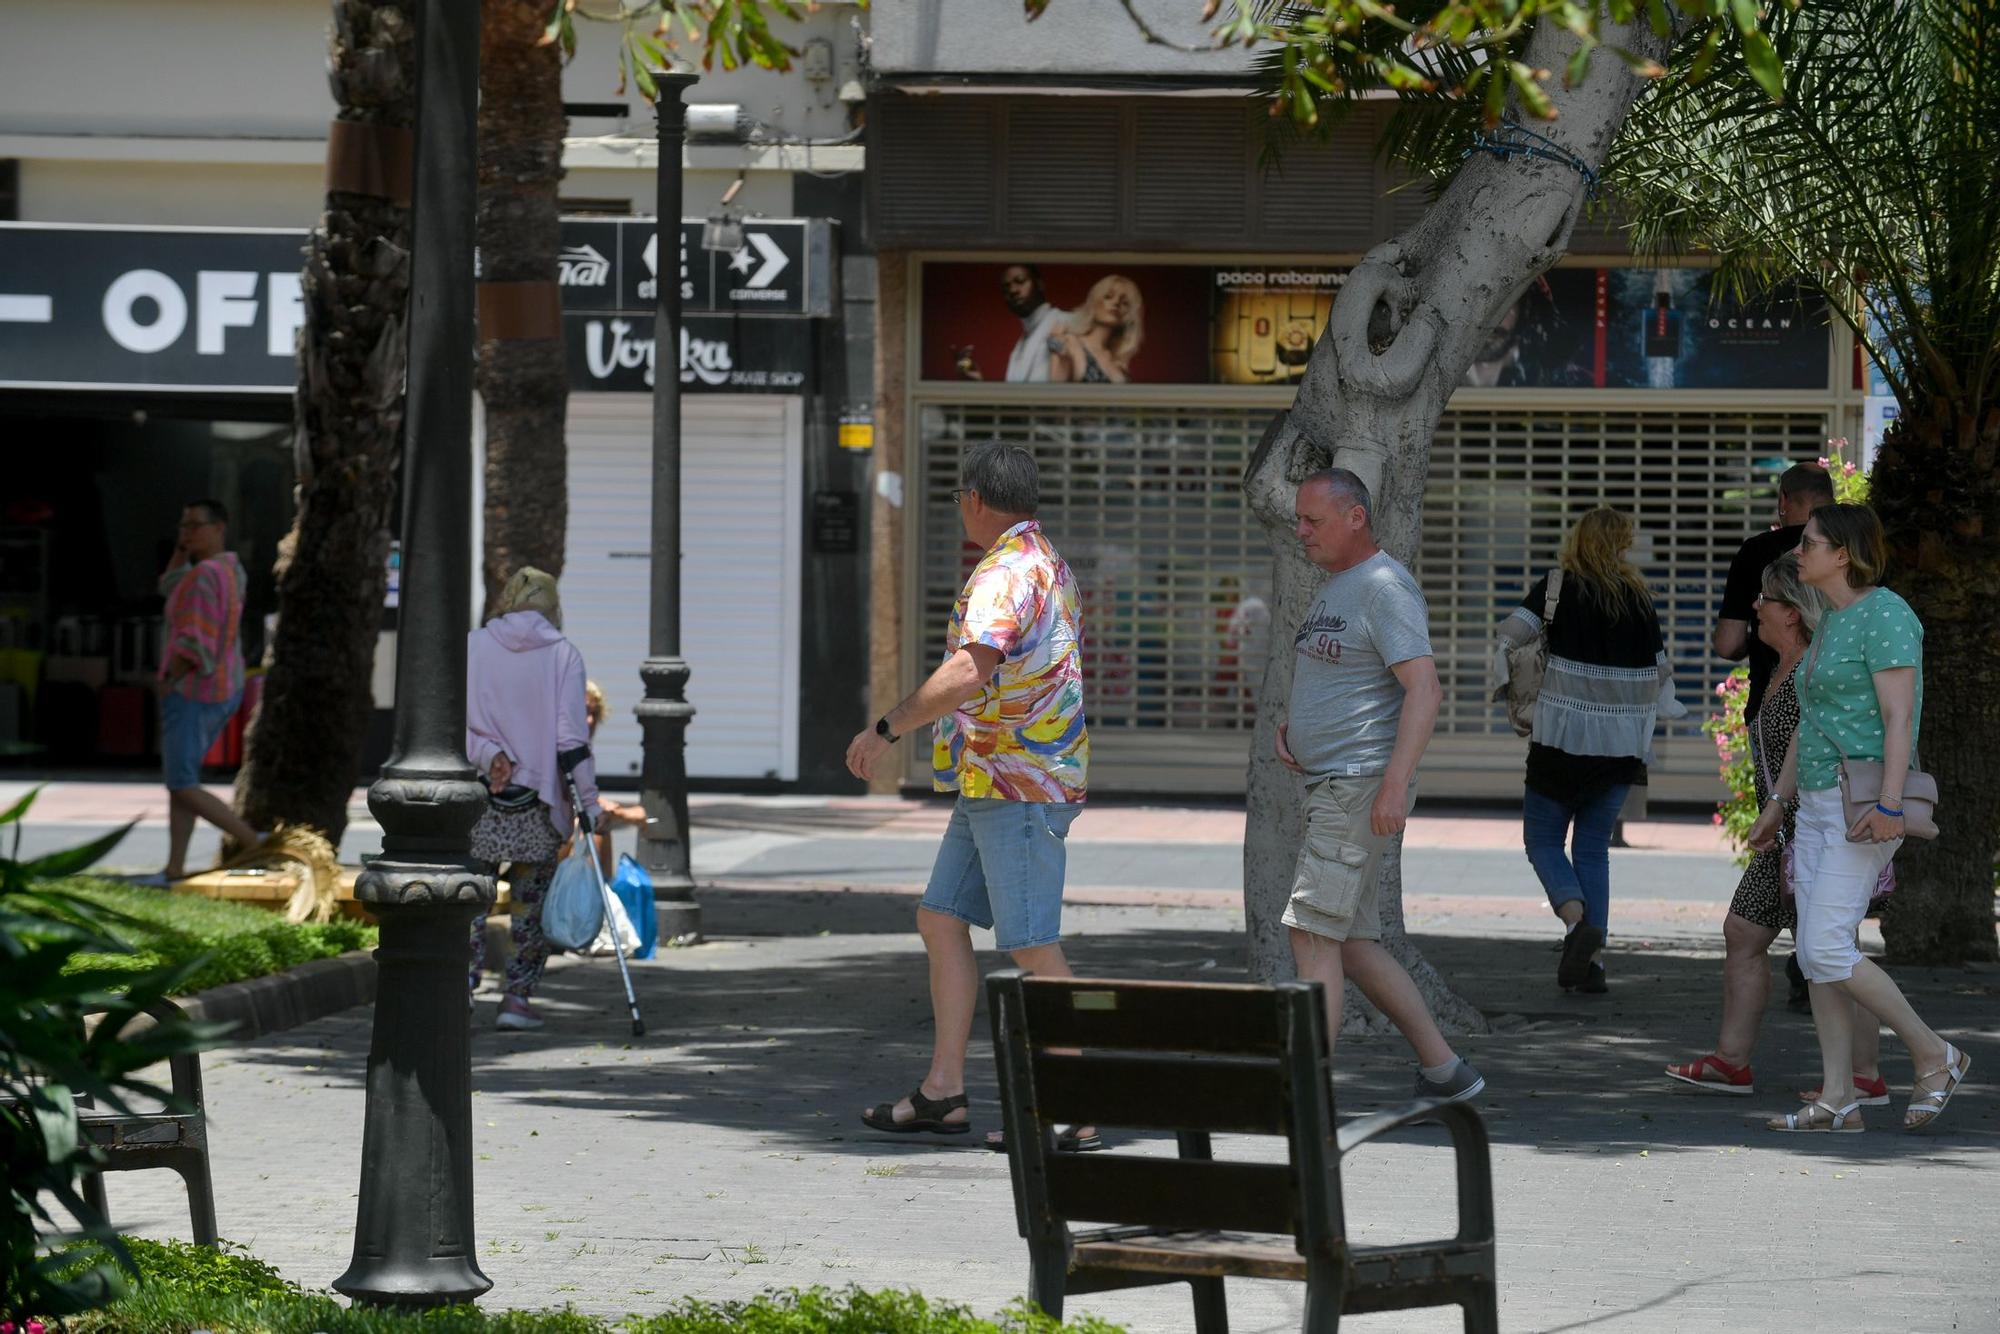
(91, 1186)
(1482, 1311)
(1048, 1268)
(1323, 1293)
(201, 1197)
(1211, 1308)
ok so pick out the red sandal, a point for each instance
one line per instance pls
(1712, 1074)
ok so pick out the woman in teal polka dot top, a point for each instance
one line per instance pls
(1861, 692)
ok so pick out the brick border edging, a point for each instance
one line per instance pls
(278, 1001)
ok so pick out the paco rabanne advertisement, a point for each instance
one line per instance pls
(1575, 328)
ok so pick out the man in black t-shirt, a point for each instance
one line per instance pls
(1803, 488)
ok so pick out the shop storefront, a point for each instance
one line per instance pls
(1640, 387)
(143, 367)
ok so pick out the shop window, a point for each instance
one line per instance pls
(1146, 504)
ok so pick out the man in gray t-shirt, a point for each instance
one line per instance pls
(1346, 699)
(1365, 697)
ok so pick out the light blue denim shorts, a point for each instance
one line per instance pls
(1001, 866)
(188, 729)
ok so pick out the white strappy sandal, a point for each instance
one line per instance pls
(1930, 1106)
(1836, 1121)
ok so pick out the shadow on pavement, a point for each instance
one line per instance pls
(798, 1015)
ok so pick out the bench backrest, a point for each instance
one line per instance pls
(1193, 1058)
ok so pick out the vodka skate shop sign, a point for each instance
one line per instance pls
(215, 310)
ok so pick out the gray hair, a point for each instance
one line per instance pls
(1347, 489)
(1003, 474)
(1782, 584)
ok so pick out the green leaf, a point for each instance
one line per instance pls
(1578, 68)
(20, 808)
(553, 31)
(1711, 46)
(1762, 59)
(71, 860)
(1656, 15)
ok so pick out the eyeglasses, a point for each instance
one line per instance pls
(1808, 543)
(959, 493)
(186, 524)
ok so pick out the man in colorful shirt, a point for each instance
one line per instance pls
(1010, 740)
(201, 675)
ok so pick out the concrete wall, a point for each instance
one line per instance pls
(214, 113)
(1073, 40)
(256, 68)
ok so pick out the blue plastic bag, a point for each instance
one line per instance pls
(634, 888)
(573, 908)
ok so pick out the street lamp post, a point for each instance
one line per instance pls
(664, 711)
(413, 1236)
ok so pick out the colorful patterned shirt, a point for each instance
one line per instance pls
(1875, 634)
(204, 619)
(1022, 737)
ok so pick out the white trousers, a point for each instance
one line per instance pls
(1833, 880)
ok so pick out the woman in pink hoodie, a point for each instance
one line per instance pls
(524, 706)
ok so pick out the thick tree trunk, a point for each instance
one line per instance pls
(1403, 331)
(304, 745)
(1938, 492)
(522, 374)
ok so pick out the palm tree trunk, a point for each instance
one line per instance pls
(1938, 492)
(522, 373)
(1403, 330)
(304, 746)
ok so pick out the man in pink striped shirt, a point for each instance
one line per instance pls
(201, 674)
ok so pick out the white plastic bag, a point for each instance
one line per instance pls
(618, 925)
(573, 910)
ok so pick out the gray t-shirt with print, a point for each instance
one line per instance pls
(1345, 701)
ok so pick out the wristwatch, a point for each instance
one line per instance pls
(882, 730)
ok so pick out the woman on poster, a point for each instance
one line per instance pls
(1102, 336)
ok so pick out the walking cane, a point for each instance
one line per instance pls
(567, 762)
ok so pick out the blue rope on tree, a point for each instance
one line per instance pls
(1514, 139)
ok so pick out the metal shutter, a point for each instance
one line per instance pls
(1504, 487)
(1145, 503)
(740, 572)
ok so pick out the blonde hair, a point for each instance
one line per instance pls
(1125, 345)
(530, 590)
(595, 705)
(1856, 530)
(1594, 552)
(1782, 584)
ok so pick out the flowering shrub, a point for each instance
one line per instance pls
(1738, 811)
(1850, 484)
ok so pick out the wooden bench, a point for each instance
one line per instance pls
(175, 1138)
(1198, 1060)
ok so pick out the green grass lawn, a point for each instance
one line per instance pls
(234, 942)
(185, 1288)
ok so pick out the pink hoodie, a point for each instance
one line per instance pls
(524, 699)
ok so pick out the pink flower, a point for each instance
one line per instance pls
(6, 1327)
(1851, 470)
(36, 1327)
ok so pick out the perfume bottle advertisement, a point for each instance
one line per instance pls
(1250, 323)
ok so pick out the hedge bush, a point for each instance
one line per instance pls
(185, 1288)
(239, 942)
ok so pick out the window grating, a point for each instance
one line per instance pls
(1146, 505)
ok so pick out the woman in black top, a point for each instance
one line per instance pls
(1604, 688)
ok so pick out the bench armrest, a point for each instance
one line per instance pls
(1468, 1150)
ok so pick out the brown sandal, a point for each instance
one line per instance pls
(927, 1115)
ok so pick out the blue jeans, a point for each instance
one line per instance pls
(1583, 874)
(188, 729)
(1001, 865)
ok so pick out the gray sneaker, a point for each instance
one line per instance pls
(1463, 1084)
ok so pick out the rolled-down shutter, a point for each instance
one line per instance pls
(740, 570)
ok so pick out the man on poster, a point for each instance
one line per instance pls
(1028, 363)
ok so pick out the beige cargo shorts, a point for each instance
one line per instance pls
(1336, 885)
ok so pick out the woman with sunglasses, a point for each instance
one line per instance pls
(1861, 694)
(1785, 618)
